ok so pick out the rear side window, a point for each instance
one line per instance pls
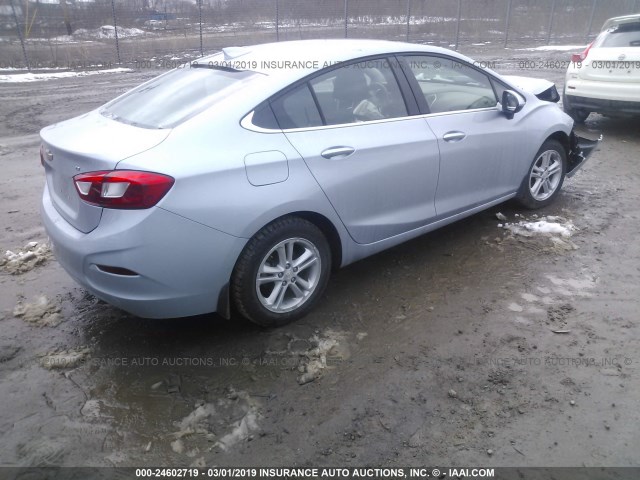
(359, 92)
(297, 109)
(625, 35)
(176, 96)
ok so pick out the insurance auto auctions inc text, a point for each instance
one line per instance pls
(342, 473)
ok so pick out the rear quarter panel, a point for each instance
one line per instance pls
(212, 186)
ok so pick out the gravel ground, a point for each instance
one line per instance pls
(472, 345)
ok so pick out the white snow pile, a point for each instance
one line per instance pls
(30, 256)
(197, 421)
(207, 419)
(548, 226)
(38, 77)
(41, 312)
(557, 229)
(108, 32)
(314, 361)
(240, 430)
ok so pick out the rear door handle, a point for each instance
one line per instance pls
(338, 152)
(453, 136)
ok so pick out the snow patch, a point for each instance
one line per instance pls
(70, 358)
(558, 48)
(206, 418)
(31, 255)
(197, 421)
(241, 430)
(514, 307)
(574, 286)
(529, 297)
(107, 32)
(547, 226)
(38, 77)
(314, 360)
(41, 312)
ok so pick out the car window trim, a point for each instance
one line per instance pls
(415, 85)
(410, 103)
(246, 121)
(316, 102)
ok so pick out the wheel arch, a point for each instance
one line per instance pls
(241, 295)
(328, 229)
(320, 221)
(564, 140)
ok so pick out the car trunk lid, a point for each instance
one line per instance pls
(88, 143)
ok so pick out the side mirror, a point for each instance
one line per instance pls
(512, 103)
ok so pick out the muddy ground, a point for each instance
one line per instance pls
(442, 351)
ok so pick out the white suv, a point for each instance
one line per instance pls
(605, 78)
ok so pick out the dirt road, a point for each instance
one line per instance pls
(473, 345)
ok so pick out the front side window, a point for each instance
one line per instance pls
(170, 99)
(449, 85)
(359, 92)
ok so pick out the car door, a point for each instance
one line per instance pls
(478, 144)
(377, 165)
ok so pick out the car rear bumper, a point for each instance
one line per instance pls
(174, 267)
(603, 106)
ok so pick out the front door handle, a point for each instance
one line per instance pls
(453, 136)
(338, 152)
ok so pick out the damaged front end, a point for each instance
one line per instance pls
(579, 150)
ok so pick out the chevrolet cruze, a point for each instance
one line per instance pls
(238, 182)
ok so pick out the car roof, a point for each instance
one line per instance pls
(307, 56)
(621, 20)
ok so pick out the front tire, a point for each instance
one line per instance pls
(282, 272)
(545, 176)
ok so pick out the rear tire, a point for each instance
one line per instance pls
(545, 176)
(282, 272)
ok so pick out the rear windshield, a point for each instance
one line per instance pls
(625, 35)
(176, 96)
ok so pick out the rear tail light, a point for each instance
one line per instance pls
(580, 57)
(42, 155)
(124, 189)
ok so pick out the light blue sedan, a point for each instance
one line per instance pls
(239, 182)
